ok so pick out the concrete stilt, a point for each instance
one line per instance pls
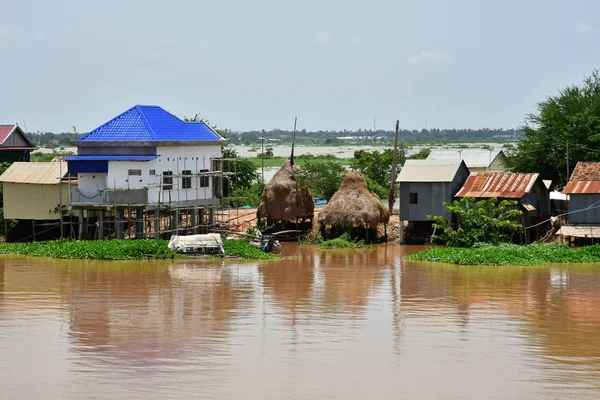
(211, 218)
(118, 222)
(194, 220)
(80, 232)
(157, 223)
(175, 222)
(139, 216)
(100, 224)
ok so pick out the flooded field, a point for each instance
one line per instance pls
(335, 325)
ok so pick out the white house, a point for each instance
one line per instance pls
(476, 159)
(147, 156)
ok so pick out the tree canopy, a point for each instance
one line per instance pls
(571, 118)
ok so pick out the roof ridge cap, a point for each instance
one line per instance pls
(146, 123)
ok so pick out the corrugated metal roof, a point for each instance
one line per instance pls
(41, 173)
(580, 231)
(586, 171)
(473, 158)
(5, 130)
(582, 187)
(501, 185)
(109, 158)
(150, 123)
(428, 171)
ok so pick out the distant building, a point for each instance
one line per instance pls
(583, 190)
(14, 145)
(34, 194)
(529, 190)
(424, 186)
(477, 160)
(144, 159)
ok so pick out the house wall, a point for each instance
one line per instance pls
(541, 202)
(90, 183)
(581, 201)
(32, 201)
(16, 138)
(15, 155)
(174, 159)
(499, 164)
(430, 198)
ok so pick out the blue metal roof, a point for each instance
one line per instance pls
(150, 123)
(110, 158)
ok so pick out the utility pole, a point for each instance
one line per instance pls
(568, 170)
(393, 174)
(262, 157)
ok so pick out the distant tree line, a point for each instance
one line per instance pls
(56, 140)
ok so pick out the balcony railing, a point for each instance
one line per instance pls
(110, 197)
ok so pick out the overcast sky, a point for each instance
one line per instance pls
(257, 64)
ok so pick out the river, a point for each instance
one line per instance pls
(334, 325)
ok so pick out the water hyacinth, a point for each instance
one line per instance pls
(509, 254)
(146, 249)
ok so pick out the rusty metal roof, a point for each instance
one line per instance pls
(582, 187)
(586, 171)
(585, 179)
(501, 185)
(40, 173)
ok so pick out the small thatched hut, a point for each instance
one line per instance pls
(353, 206)
(285, 202)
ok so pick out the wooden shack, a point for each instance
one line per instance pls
(529, 190)
(583, 190)
(424, 187)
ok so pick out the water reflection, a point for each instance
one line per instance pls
(333, 324)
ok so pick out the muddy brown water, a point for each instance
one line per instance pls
(335, 325)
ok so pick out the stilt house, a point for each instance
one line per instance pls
(146, 159)
(424, 187)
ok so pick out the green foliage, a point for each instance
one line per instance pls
(572, 117)
(375, 164)
(510, 254)
(345, 241)
(484, 221)
(375, 187)
(421, 154)
(46, 157)
(322, 177)
(244, 249)
(93, 249)
(245, 171)
(246, 196)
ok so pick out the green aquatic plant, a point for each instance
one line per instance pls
(93, 249)
(121, 249)
(345, 241)
(245, 249)
(509, 254)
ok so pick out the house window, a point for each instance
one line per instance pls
(203, 178)
(167, 180)
(186, 182)
(413, 198)
(134, 172)
(152, 172)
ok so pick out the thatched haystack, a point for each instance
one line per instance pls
(284, 200)
(354, 206)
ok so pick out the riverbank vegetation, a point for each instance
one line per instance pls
(345, 241)
(93, 249)
(509, 254)
(483, 221)
(148, 249)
